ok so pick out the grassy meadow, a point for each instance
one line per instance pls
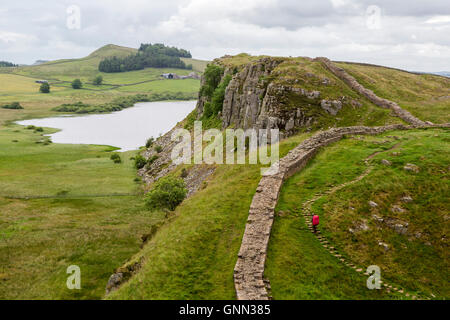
(299, 268)
(62, 205)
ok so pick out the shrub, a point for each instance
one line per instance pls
(13, 105)
(212, 76)
(152, 159)
(98, 80)
(219, 95)
(39, 129)
(77, 84)
(44, 88)
(149, 142)
(158, 149)
(139, 161)
(31, 127)
(167, 193)
(184, 173)
(116, 158)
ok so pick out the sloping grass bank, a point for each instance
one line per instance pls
(193, 257)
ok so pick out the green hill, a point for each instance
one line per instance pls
(20, 83)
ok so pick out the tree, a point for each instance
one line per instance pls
(98, 80)
(139, 162)
(167, 193)
(45, 88)
(77, 84)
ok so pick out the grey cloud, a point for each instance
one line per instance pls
(34, 30)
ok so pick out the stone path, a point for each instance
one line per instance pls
(249, 269)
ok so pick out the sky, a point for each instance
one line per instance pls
(407, 34)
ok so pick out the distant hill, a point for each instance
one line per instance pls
(88, 66)
(443, 73)
(38, 62)
(7, 64)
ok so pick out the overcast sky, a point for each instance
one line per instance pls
(408, 34)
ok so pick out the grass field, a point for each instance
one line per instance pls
(71, 205)
(425, 96)
(299, 268)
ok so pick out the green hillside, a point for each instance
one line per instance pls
(416, 260)
(193, 255)
(424, 95)
(19, 84)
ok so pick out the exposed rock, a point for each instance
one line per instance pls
(406, 199)
(386, 162)
(377, 218)
(332, 107)
(114, 282)
(411, 167)
(122, 274)
(325, 81)
(384, 245)
(373, 204)
(400, 228)
(196, 176)
(359, 226)
(397, 209)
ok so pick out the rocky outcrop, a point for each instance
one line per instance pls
(260, 96)
(246, 93)
(249, 268)
(369, 94)
(163, 165)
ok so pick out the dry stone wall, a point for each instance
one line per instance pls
(249, 268)
(369, 94)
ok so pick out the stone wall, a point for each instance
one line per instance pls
(249, 268)
(369, 94)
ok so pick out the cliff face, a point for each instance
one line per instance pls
(283, 93)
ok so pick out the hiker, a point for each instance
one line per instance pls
(315, 222)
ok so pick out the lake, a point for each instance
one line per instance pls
(127, 129)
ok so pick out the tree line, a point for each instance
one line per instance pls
(7, 64)
(149, 55)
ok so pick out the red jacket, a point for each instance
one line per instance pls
(315, 220)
